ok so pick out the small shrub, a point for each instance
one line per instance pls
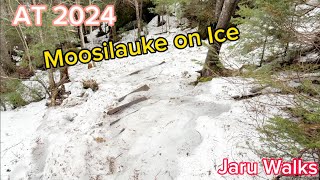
(10, 85)
(294, 138)
(15, 99)
(92, 84)
(99, 140)
(14, 93)
(204, 79)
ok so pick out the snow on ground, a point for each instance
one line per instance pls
(17, 128)
(181, 132)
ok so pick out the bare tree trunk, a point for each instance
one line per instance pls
(81, 31)
(141, 11)
(226, 13)
(218, 9)
(168, 21)
(64, 77)
(141, 14)
(81, 37)
(113, 32)
(90, 27)
(162, 23)
(212, 63)
(64, 74)
(159, 20)
(263, 50)
(136, 5)
(53, 88)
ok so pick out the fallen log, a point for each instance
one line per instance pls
(142, 88)
(116, 121)
(122, 107)
(137, 72)
(257, 89)
(241, 97)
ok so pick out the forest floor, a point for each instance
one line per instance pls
(181, 131)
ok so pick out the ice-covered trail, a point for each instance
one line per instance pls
(180, 132)
(17, 127)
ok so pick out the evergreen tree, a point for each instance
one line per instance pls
(275, 24)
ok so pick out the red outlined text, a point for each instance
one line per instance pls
(271, 166)
(73, 16)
